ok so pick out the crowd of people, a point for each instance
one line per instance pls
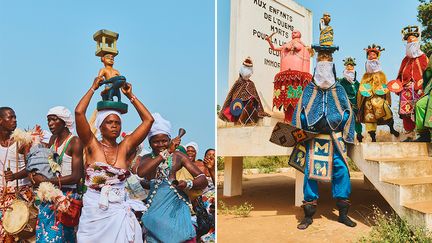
(100, 185)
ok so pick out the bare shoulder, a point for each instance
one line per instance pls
(76, 142)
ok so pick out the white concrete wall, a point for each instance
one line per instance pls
(249, 25)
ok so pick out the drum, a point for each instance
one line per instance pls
(20, 219)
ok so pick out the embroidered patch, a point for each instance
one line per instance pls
(321, 159)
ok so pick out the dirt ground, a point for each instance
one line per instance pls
(275, 218)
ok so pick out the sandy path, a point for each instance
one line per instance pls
(274, 217)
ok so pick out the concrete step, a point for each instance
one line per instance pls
(422, 207)
(410, 181)
(419, 213)
(410, 167)
(393, 149)
(412, 190)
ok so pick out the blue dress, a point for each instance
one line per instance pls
(168, 219)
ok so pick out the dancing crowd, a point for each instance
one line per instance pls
(101, 185)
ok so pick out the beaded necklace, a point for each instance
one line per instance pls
(162, 173)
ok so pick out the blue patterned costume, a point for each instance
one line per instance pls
(329, 113)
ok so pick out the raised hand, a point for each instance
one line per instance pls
(175, 142)
(127, 89)
(97, 82)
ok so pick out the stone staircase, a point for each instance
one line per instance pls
(402, 173)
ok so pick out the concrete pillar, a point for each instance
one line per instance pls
(367, 184)
(233, 173)
(298, 200)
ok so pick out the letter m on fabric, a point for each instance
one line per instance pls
(324, 148)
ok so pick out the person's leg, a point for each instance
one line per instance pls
(358, 129)
(371, 129)
(341, 189)
(409, 127)
(310, 193)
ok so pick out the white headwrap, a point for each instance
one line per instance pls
(413, 50)
(160, 126)
(101, 115)
(373, 66)
(64, 114)
(324, 76)
(194, 145)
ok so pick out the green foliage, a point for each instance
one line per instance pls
(424, 16)
(242, 210)
(266, 163)
(388, 227)
(218, 109)
(220, 163)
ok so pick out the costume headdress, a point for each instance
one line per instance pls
(410, 30)
(349, 61)
(374, 48)
(248, 62)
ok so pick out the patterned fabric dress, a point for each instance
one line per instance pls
(107, 215)
(48, 229)
(169, 210)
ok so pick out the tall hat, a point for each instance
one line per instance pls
(374, 48)
(349, 61)
(410, 30)
(248, 62)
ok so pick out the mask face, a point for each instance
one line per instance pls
(349, 75)
(413, 49)
(324, 76)
(373, 66)
(246, 72)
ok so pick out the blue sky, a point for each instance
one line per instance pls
(356, 24)
(166, 52)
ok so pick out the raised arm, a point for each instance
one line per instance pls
(140, 133)
(82, 125)
(200, 180)
(268, 39)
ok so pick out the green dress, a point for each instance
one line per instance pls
(351, 89)
(423, 107)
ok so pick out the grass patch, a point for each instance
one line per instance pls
(389, 227)
(242, 210)
(266, 164)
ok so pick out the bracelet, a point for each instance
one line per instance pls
(189, 184)
(93, 90)
(133, 98)
(165, 154)
(202, 174)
